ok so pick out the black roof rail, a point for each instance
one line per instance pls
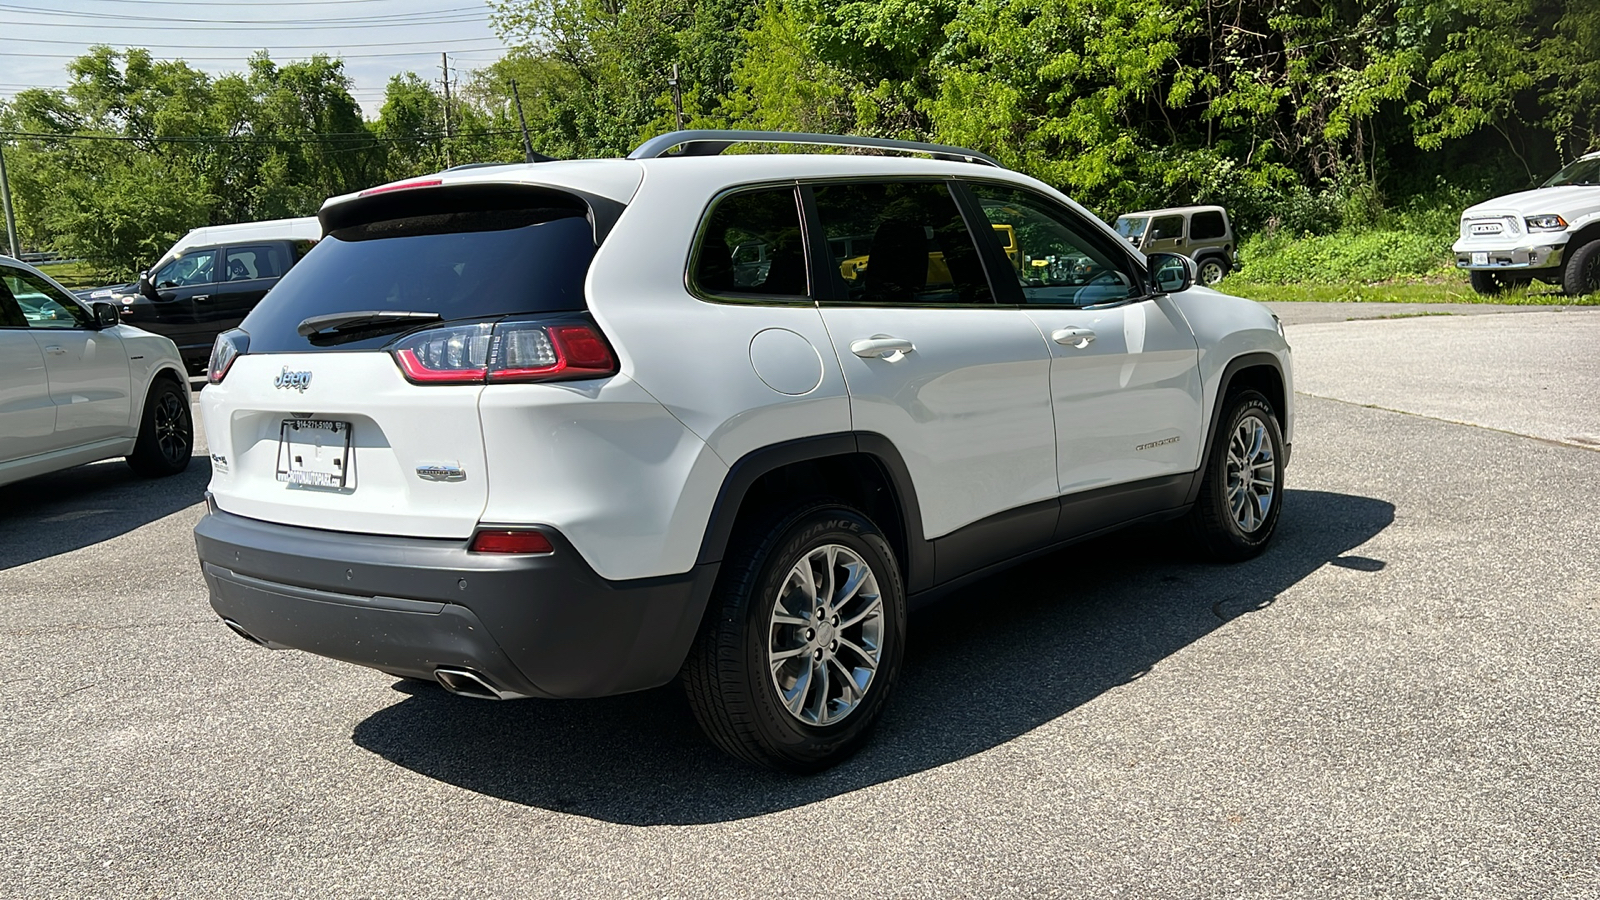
(711, 143)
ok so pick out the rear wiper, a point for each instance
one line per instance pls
(362, 320)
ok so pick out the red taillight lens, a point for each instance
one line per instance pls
(505, 353)
(510, 542)
(229, 346)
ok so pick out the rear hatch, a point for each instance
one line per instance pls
(316, 423)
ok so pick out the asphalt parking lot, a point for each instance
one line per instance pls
(1397, 700)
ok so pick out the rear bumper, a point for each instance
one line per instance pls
(536, 626)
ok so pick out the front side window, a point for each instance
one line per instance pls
(1205, 226)
(907, 244)
(1053, 262)
(188, 270)
(752, 246)
(1166, 228)
(43, 306)
(255, 261)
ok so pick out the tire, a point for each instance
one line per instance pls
(752, 677)
(1212, 270)
(166, 432)
(1582, 272)
(1228, 522)
(1490, 284)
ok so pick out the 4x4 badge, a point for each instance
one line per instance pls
(297, 380)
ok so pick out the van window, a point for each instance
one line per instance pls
(1204, 226)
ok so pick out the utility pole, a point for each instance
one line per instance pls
(527, 143)
(5, 194)
(677, 95)
(444, 59)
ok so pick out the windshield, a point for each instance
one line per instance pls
(464, 265)
(1584, 171)
(1131, 228)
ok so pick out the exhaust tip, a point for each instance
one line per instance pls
(468, 683)
(238, 629)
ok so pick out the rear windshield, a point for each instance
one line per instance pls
(460, 265)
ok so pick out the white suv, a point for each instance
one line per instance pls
(1551, 233)
(568, 429)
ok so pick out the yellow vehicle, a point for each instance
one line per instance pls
(938, 272)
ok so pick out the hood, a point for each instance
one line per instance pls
(1571, 202)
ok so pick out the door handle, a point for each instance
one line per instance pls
(202, 296)
(1076, 337)
(56, 351)
(881, 346)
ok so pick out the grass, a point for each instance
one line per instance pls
(77, 275)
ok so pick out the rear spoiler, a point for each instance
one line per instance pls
(428, 197)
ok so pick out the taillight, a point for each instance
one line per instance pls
(229, 346)
(507, 541)
(504, 353)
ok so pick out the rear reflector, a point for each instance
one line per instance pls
(510, 542)
(403, 186)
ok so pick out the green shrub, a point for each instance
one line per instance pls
(1343, 256)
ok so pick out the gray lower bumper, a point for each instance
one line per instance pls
(538, 626)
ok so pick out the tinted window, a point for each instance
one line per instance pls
(10, 313)
(42, 305)
(752, 245)
(1204, 226)
(461, 265)
(196, 267)
(1166, 227)
(254, 261)
(1048, 252)
(907, 244)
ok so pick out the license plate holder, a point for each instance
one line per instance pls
(315, 453)
(1480, 258)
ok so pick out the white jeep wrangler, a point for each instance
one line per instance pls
(559, 430)
(1551, 233)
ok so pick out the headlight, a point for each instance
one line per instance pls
(1546, 223)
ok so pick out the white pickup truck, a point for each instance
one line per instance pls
(1551, 233)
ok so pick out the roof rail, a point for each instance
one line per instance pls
(711, 143)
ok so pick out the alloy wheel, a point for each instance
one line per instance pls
(825, 635)
(171, 436)
(1252, 474)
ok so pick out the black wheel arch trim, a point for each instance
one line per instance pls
(1224, 385)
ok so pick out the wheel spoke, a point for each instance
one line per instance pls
(778, 656)
(820, 680)
(795, 701)
(868, 660)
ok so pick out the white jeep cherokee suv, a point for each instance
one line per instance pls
(1551, 233)
(568, 429)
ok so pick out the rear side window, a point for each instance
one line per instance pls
(254, 261)
(1204, 226)
(752, 247)
(908, 243)
(459, 264)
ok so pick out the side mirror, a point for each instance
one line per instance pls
(106, 315)
(145, 287)
(1172, 273)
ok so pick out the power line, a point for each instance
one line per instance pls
(476, 11)
(248, 46)
(254, 3)
(240, 58)
(331, 138)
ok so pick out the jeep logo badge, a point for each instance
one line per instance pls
(297, 380)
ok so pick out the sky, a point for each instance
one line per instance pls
(375, 38)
